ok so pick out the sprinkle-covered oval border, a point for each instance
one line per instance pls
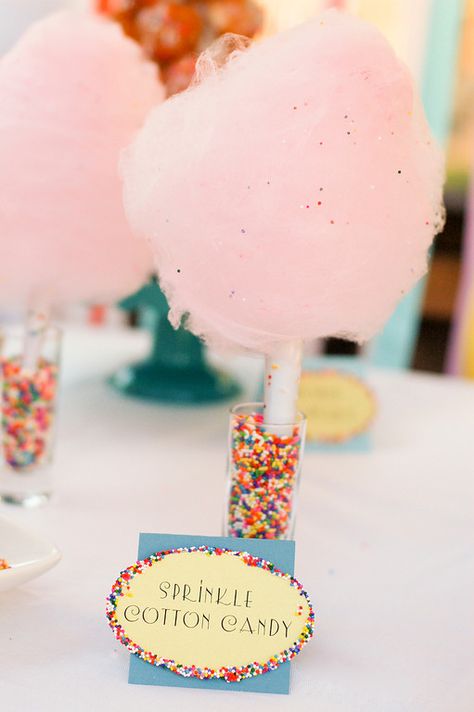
(233, 674)
(358, 380)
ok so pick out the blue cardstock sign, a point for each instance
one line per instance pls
(281, 553)
(353, 366)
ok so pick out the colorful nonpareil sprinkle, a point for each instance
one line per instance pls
(230, 674)
(4, 565)
(263, 473)
(28, 411)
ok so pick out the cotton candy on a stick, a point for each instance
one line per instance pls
(293, 193)
(73, 92)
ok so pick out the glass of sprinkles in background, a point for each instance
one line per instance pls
(29, 385)
(264, 468)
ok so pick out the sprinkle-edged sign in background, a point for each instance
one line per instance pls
(339, 405)
(211, 612)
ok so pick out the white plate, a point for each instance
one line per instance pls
(27, 554)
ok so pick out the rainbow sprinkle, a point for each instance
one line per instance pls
(229, 674)
(4, 565)
(28, 409)
(263, 471)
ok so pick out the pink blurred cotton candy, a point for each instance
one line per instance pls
(73, 92)
(293, 193)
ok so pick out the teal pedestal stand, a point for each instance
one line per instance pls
(176, 371)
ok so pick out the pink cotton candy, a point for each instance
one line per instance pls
(293, 193)
(73, 92)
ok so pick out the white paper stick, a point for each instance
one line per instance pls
(36, 323)
(282, 378)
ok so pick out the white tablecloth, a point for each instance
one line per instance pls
(385, 545)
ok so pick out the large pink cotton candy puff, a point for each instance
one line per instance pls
(293, 193)
(73, 92)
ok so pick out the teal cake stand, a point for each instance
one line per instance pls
(176, 371)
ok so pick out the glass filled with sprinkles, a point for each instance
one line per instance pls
(264, 468)
(29, 369)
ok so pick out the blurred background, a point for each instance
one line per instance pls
(434, 329)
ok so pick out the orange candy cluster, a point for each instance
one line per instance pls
(28, 400)
(264, 470)
(174, 32)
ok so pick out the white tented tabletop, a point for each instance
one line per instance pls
(385, 546)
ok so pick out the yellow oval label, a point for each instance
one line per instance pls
(207, 612)
(338, 405)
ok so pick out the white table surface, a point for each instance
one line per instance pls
(385, 545)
